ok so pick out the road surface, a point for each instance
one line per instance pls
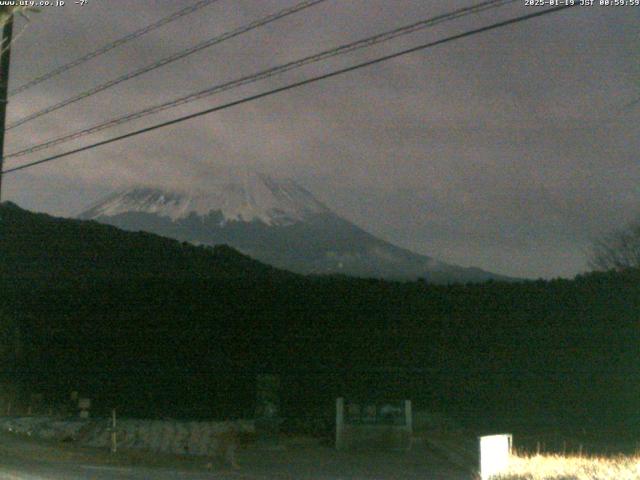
(26, 459)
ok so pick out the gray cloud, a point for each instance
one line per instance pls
(509, 150)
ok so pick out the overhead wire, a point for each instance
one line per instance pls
(264, 74)
(167, 60)
(111, 45)
(291, 86)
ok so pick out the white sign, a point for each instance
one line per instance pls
(494, 455)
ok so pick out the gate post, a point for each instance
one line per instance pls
(408, 421)
(340, 423)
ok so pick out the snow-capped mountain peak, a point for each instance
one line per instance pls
(275, 221)
(252, 198)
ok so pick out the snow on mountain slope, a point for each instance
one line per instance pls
(258, 197)
(275, 221)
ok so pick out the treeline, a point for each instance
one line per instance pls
(160, 328)
(558, 351)
(45, 250)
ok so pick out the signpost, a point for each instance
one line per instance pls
(385, 425)
(495, 451)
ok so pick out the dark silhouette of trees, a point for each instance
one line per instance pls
(619, 250)
(159, 328)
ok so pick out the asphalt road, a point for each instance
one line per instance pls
(25, 459)
(47, 471)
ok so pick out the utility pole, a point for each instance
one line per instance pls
(5, 57)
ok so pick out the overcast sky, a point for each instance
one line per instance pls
(510, 150)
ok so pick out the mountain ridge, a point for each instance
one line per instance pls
(42, 247)
(278, 222)
(258, 197)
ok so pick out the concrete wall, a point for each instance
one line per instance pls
(170, 436)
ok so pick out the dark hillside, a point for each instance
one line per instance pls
(44, 248)
(559, 354)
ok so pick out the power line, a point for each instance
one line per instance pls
(340, 50)
(291, 86)
(110, 46)
(170, 59)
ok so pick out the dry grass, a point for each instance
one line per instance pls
(558, 467)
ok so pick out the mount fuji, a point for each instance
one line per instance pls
(277, 222)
